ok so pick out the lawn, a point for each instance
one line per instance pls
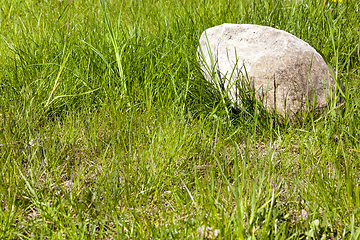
(108, 129)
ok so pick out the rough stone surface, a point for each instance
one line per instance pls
(285, 71)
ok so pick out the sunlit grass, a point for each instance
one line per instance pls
(108, 129)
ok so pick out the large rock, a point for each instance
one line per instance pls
(285, 72)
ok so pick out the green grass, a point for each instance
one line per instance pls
(108, 129)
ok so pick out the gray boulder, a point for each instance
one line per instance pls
(285, 72)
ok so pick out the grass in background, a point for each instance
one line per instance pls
(108, 128)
